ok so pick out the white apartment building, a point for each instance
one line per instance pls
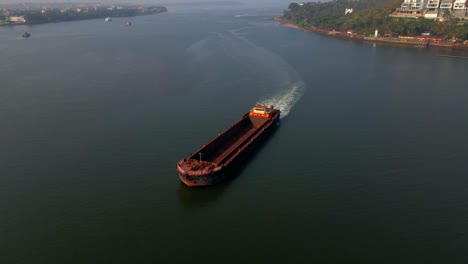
(16, 19)
(412, 5)
(459, 5)
(410, 8)
(432, 9)
(432, 5)
(446, 5)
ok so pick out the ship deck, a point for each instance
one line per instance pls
(226, 144)
(225, 153)
(203, 166)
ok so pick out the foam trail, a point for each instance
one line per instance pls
(286, 99)
(282, 86)
(290, 88)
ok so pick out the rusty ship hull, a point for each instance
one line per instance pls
(214, 161)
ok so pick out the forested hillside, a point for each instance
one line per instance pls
(367, 16)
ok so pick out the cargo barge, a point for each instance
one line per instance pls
(212, 162)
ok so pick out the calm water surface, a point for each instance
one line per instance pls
(369, 165)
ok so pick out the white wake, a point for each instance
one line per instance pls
(282, 86)
(286, 99)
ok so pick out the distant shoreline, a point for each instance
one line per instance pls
(55, 16)
(390, 40)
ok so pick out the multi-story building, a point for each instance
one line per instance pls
(433, 5)
(459, 5)
(16, 19)
(410, 8)
(432, 9)
(459, 9)
(412, 4)
(446, 5)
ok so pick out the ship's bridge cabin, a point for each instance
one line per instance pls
(261, 110)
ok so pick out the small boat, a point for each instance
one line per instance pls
(108, 19)
(26, 35)
(128, 23)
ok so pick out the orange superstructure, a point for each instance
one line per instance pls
(260, 110)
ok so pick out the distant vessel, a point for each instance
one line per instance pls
(26, 35)
(128, 23)
(209, 164)
(108, 19)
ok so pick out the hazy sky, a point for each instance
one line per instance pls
(272, 2)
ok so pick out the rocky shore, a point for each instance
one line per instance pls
(416, 41)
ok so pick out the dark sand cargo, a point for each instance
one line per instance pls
(212, 162)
